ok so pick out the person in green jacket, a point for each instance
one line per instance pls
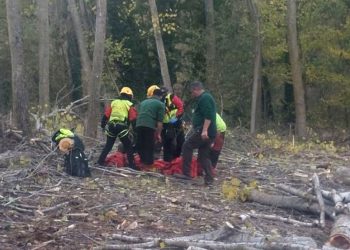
(202, 133)
(219, 140)
(149, 124)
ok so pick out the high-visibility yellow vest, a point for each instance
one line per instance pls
(170, 109)
(220, 124)
(120, 110)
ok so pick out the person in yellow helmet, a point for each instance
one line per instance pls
(117, 119)
(151, 89)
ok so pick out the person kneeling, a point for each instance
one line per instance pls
(75, 161)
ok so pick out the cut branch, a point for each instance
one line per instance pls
(317, 189)
(287, 220)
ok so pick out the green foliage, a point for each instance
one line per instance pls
(324, 36)
(292, 146)
(116, 52)
(233, 189)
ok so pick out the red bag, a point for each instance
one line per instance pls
(119, 160)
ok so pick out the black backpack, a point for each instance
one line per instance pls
(76, 162)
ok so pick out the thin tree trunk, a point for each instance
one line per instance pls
(160, 46)
(256, 106)
(211, 42)
(44, 54)
(84, 56)
(298, 86)
(83, 15)
(19, 90)
(97, 68)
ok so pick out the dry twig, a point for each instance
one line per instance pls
(317, 189)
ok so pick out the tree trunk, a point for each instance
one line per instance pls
(84, 56)
(44, 54)
(19, 91)
(256, 106)
(97, 69)
(298, 87)
(160, 46)
(211, 42)
(83, 15)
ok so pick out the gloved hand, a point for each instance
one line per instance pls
(173, 120)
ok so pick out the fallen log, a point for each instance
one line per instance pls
(282, 201)
(340, 233)
(226, 237)
(287, 243)
(297, 192)
(219, 234)
(340, 200)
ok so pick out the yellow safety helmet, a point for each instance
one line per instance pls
(126, 90)
(151, 89)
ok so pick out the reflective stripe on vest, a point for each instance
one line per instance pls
(170, 109)
(120, 110)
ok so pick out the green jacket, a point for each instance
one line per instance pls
(150, 112)
(205, 109)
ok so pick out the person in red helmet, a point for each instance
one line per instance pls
(116, 121)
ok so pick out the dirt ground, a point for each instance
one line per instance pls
(43, 208)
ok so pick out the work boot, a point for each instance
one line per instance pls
(208, 180)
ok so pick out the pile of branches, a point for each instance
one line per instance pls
(226, 237)
(331, 205)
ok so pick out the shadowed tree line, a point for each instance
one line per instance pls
(269, 64)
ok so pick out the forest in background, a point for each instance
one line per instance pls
(258, 58)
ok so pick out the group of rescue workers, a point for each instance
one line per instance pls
(157, 120)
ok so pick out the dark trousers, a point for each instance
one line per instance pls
(115, 130)
(192, 142)
(216, 148)
(172, 137)
(145, 144)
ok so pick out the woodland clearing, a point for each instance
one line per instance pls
(43, 208)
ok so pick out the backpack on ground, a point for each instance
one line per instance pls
(76, 163)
